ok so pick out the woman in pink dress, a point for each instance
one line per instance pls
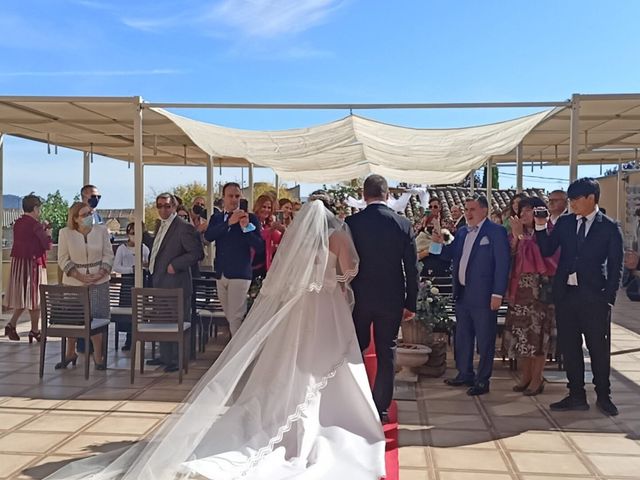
(31, 241)
(271, 234)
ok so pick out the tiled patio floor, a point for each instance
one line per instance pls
(444, 434)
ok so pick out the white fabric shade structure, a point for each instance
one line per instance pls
(355, 146)
(585, 129)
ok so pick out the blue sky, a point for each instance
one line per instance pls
(304, 51)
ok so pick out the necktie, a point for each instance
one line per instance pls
(582, 232)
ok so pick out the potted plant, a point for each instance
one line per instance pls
(432, 317)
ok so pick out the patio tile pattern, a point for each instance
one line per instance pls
(443, 433)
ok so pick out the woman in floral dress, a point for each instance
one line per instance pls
(530, 319)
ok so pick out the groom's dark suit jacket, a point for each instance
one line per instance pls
(388, 274)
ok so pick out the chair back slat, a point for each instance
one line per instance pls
(64, 305)
(205, 294)
(157, 305)
(120, 291)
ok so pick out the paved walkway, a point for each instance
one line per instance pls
(444, 434)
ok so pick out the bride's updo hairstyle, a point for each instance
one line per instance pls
(325, 198)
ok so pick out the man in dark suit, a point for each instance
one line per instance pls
(481, 257)
(386, 286)
(176, 248)
(236, 232)
(584, 290)
(458, 217)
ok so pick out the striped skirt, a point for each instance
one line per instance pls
(25, 279)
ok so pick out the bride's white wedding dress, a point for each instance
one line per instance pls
(289, 397)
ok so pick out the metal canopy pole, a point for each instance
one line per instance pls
(618, 190)
(277, 190)
(138, 169)
(86, 169)
(472, 182)
(1, 216)
(250, 196)
(210, 200)
(355, 106)
(489, 181)
(519, 168)
(574, 136)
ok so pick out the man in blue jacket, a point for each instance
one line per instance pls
(235, 233)
(481, 258)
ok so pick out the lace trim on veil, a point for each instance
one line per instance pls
(312, 393)
(348, 275)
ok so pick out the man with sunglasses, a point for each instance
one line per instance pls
(90, 195)
(176, 248)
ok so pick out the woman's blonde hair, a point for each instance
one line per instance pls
(260, 201)
(74, 211)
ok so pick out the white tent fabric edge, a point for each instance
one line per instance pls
(355, 146)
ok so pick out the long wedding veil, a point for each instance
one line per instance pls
(199, 429)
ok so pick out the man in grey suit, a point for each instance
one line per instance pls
(176, 248)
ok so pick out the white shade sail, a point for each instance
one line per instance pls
(355, 147)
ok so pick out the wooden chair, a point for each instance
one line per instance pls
(158, 316)
(66, 313)
(206, 309)
(121, 306)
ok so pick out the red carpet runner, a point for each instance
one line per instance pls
(391, 428)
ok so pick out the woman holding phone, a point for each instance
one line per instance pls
(263, 209)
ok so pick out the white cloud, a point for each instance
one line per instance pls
(249, 18)
(93, 73)
(271, 18)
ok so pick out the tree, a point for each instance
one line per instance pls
(54, 210)
(494, 176)
(260, 188)
(189, 191)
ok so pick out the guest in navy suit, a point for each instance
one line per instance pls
(584, 290)
(234, 238)
(481, 257)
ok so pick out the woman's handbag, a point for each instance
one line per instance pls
(545, 290)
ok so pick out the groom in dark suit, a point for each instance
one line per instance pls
(481, 258)
(176, 248)
(386, 286)
(584, 290)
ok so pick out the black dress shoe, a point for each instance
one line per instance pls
(459, 382)
(126, 348)
(606, 406)
(171, 368)
(155, 361)
(569, 403)
(478, 389)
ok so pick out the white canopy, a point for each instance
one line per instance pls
(355, 146)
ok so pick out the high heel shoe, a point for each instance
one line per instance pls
(35, 335)
(520, 388)
(101, 365)
(10, 331)
(66, 362)
(537, 391)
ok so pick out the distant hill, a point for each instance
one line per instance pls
(12, 201)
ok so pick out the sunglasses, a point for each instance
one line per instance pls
(96, 196)
(434, 207)
(184, 216)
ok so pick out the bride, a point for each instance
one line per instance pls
(288, 398)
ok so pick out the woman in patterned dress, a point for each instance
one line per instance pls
(530, 319)
(31, 241)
